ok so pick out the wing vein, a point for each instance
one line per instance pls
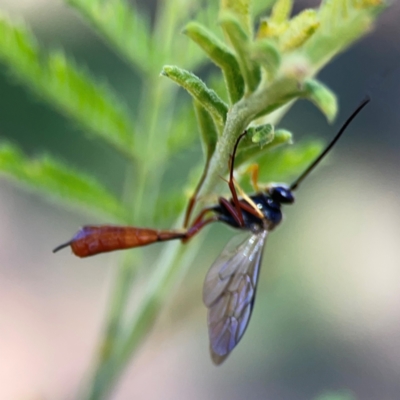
(229, 291)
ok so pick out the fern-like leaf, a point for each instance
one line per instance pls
(62, 84)
(57, 181)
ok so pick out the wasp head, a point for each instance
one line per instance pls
(281, 194)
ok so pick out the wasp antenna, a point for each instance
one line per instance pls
(61, 246)
(300, 179)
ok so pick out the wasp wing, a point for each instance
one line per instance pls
(229, 291)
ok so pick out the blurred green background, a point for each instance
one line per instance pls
(327, 316)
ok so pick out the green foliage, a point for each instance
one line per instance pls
(322, 97)
(128, 32)
(209, 133)
(63, 85)
(263, 134)
(252, 151)
(263, 74)
(55, 180)
(240, 42)
(221, 55)
(200, 92)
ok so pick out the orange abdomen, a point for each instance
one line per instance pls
(91, 240)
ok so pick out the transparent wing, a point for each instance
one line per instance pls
(229, 291)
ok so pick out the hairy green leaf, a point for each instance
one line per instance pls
(221, 55)
(250, 151)
(208, 132)
(262, 135)
(200, 92)
(242, 44)
(55, 180)
(322, 97)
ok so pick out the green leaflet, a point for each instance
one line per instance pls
(71, 90)
(241, 42)
(200, 92)
(322, 97)
(262, 135)
(55, 180)
(208, 132)
(250, 151)
(221, 55)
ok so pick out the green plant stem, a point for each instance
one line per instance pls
(239, 117)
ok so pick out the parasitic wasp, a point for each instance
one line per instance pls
(230, 284)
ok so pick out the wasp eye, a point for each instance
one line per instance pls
(281, 194)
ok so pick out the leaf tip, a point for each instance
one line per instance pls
(166, 69)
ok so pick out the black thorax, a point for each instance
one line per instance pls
(270, 209)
